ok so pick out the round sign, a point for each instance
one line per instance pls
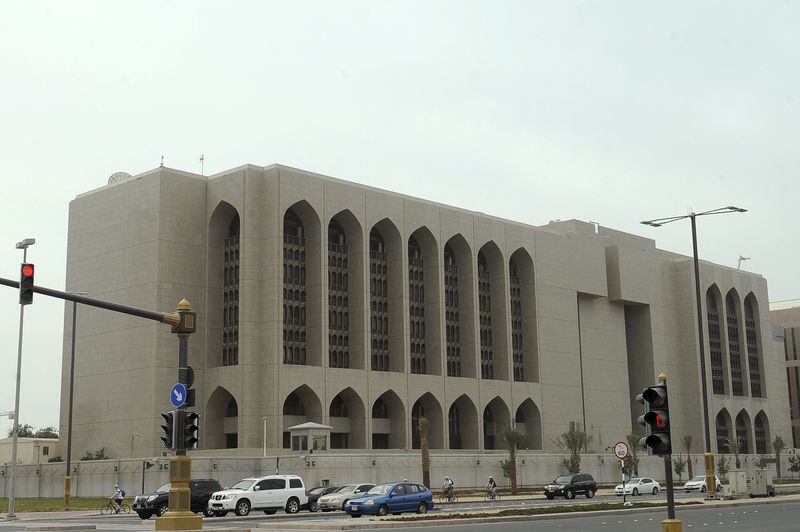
(621, 450)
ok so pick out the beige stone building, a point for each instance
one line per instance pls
(786, 315)
(321, 300)
(30, 450)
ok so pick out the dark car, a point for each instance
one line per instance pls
(392, 497)
(157, 503)
(315, 494)
(570, 485)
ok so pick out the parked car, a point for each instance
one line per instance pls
(392, 497)
(269, 494)
(570, 485)
(699, 483)
(638, 486)
(314, 494)
(338, 499)
(157, 503)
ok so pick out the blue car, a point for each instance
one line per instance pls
(392, 498)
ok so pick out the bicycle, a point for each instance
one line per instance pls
(110, 508)
(452, 497)
(488, 496)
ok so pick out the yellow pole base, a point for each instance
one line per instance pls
(67, 491)
(671, 525)
(179, 521)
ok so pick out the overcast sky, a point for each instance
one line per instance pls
(614, 112)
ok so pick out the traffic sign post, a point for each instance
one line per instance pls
(178, 395)
(621, 451)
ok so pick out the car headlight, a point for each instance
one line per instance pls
(369, 502)
(151, 498)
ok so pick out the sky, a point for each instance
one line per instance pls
(606, 111)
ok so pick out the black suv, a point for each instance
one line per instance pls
(569, 485)
(157, 503)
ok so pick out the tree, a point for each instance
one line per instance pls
(733, 448)
(679, 464)
(761, 463)
(722, 465)
(632, 462)
(47, 432)
(778, 445)
(425, 453)
(687, 444)
(23, 431)
(574, 441)
(511, 438)
(99, 454)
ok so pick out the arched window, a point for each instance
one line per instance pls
(451, 312)
(230, 267)
(516, 322)
(715, 344)
(454, 425)
(338, 352)
(485, 318)
(753, 354)
(416, 291)
(294, 288)
(379, 302)
(734, 344)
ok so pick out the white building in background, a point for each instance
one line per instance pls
(320, 300)
(30, 450)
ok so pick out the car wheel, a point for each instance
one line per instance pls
(292, 506)
(271, 511)
(550, 496)
(220, 514)
(207, 512)
(703, 489)
(589, 493)
(242, 508)
(719, 488)
(635, 492)
(569, 494)
(655, 491)
(422, 508)
(144, 515)
(313, 507)
(383, 510)
(162, 509)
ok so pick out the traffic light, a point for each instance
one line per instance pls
(656, 418)
(169, 429)
(26, 284)
(191, 430)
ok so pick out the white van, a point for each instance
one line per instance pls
(269, 494)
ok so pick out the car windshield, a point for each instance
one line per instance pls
(346, 488)
(562, 479)
(380, 489)
(316, 491)
(243, 484)
(634, 480)
(163, 489)
(698, 479)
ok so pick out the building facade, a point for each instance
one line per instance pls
(786, 315)
(321, 300)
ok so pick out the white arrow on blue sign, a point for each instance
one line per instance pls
(178, 395)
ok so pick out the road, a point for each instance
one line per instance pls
(777, 516)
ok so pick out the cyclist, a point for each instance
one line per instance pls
(491, 488)
(119, 494)
(447, 488)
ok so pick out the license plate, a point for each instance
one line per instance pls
(354, 508)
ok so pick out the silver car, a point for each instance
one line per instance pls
(338, 499)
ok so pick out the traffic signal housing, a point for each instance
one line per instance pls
(191, 430)
(656, 418)
(168, 427)
(26, 283)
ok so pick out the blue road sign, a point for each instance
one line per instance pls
(178, 395)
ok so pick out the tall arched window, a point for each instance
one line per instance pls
(454, 423)
(742, 439)
(379, 302)
(230, 296)
(417, 412)
(416, 307)
(761, 433)
(338, 302)
(715, 344)
(723, 431)
(294, 290)
(485, 315)
(516, 322)
(453, 333)
(753, 355)
(734, 346)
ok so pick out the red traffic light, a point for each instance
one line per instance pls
(661, 421)
(26, 283)
(27, 270)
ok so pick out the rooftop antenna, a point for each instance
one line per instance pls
(202, 158)
(162, 161)
(741, 258)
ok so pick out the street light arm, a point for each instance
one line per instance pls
(658, 222)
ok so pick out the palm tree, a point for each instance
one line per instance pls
(511, 438)
(426, 456)
(778, 445)
(573, 441)
(687, 444)
(633, 444)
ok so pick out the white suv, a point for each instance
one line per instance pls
(268, 493)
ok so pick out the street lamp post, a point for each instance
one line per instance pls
(265, 435)
(23, 245)
(711, 485)
(67, 477)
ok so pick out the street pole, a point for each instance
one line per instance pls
(23, 245)
(265, 436)
(67, 475)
